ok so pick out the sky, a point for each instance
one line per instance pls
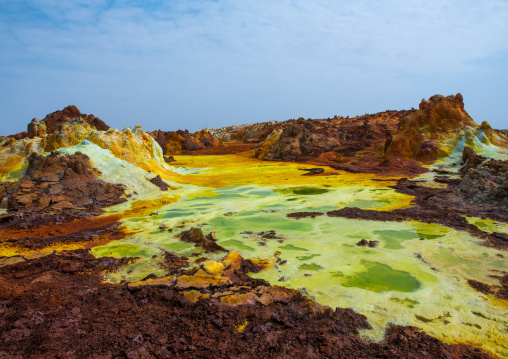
(209, 63)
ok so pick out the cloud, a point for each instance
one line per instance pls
(204, 50)
(426, 35)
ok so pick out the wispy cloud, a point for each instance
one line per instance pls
(229, 57)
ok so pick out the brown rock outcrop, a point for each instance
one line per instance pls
(485, 185)
(55, 120)
(247, 133)
(470, 159)
(196, 236)
(304, 139)
(36, 128)
(418, 135)
(350, 144)
(159, 182)
(176, 142)
(60, 185)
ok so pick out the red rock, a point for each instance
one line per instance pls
(176, 142)
(55, 120)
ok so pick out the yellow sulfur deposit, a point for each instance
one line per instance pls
(213, 267)
(245, 169)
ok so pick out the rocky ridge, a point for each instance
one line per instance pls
(176, 142)
(388, 143)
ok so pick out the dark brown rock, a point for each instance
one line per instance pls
(55, 120)
(196, 236)
(481, 287)
(299, 215)
(363, 243)
(174, 264)
(157, 180)
(176, 142)
(56, 185)
(373, 243)
(312, 171)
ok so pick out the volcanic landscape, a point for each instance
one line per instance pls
(378, 236)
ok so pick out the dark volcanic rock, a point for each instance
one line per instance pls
(299, 215)
(365, 243)
(196, 236)
(479, 286)
(500, 291)
(362, 243)
(349, 144)
(157, 180)
(470, 158)
(312, 171)
(485, 184)
(60, 185)
(175, 142)
(174, 263)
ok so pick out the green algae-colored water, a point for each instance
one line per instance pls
(393, 239)
(416, 275)
(379, 277)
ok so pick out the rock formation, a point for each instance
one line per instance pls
(434, 130)
(56, 302)
(55, 120)
(351, 144)
(60, 185)
(485, 184)
(176, 142)
(207, 242)
(36, 128)
(247, 133)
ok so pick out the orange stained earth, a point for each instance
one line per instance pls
(52, 229)
(144, 207)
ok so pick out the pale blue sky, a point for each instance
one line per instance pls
(203, 63)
